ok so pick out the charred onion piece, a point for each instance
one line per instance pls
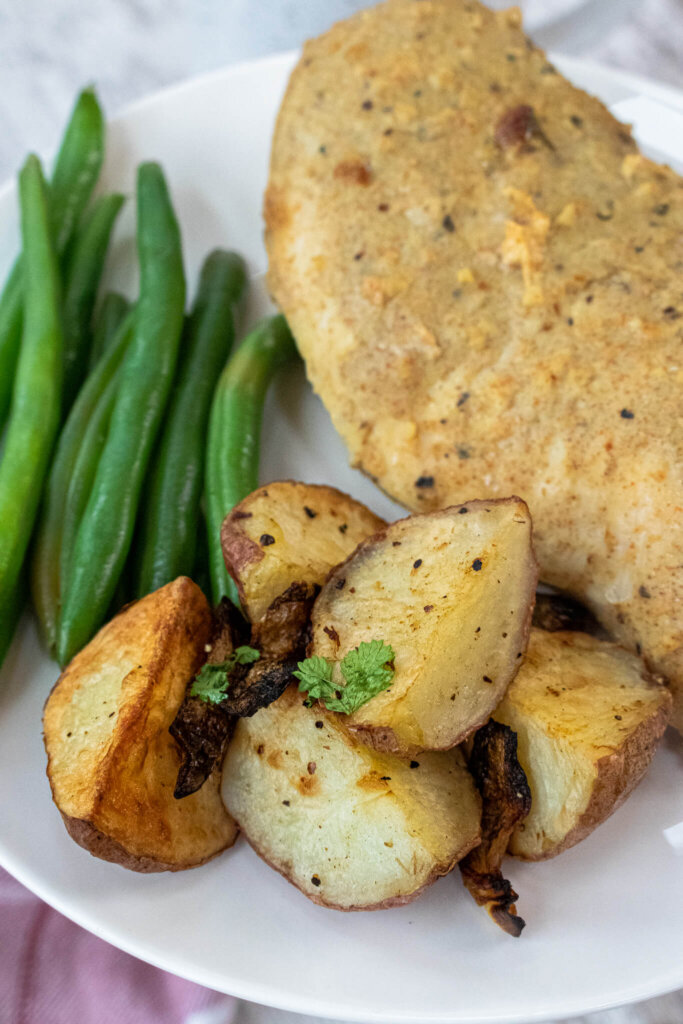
(264, 683)
(203, 730)
(506, 799)
(282, 633)
(556, 612)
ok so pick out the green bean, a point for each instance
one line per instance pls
(201, 573)
(34, 418)
(47, 573)
(81, 281)
(235, 432)
(77, 167)
(11, 313)
(168, 532)
(110, 315)
(12, 604)
(84, 472)
(75, 172)
(105, 532)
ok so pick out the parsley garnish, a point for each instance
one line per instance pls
(367, 670)
(212, 681)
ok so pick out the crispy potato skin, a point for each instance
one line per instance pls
(112, 763)
(588, 719)
(310, 528)
(487, 308)
(417, 714)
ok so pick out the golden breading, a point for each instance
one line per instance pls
(483, 275)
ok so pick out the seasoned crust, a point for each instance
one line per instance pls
(482, 291)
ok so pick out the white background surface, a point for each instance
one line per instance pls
(49, 48)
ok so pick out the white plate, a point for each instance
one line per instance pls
(605, 921)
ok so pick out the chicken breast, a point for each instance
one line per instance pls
(485, 278)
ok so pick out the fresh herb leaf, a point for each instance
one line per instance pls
(212, 681)
(367, 670)
(245, 655)
(315, 678)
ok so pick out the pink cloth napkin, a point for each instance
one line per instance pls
(53, 972)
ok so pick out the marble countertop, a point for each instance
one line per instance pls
(50, 48)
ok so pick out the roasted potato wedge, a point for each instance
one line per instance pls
(112, 763)
(588, 719)
(352, 828)
(290, 532)
(452, 592)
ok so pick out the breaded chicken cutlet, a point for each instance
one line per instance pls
(485, 278)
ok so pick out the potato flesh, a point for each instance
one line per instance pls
(112, 763)
(309, 527)
(575, 704)
(452, 593)
(351, 828)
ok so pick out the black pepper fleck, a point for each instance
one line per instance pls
(447, 223)
(286, 803)
(626, 414)
(309, 512)
(265, 539)
(570, 321)
(367, 104)
(464, 395)
(315, 880)
(417, 563)
(359, 256)
(414, 764)
(424, 481)
(487, 679)
(644, 592)
(661, 210)
(385, 778)
(383, 207)
(618, 718)
(477, 564)
(462, 511)
(576, 121)
(340, 584)
(318, 725)
(343, 528)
